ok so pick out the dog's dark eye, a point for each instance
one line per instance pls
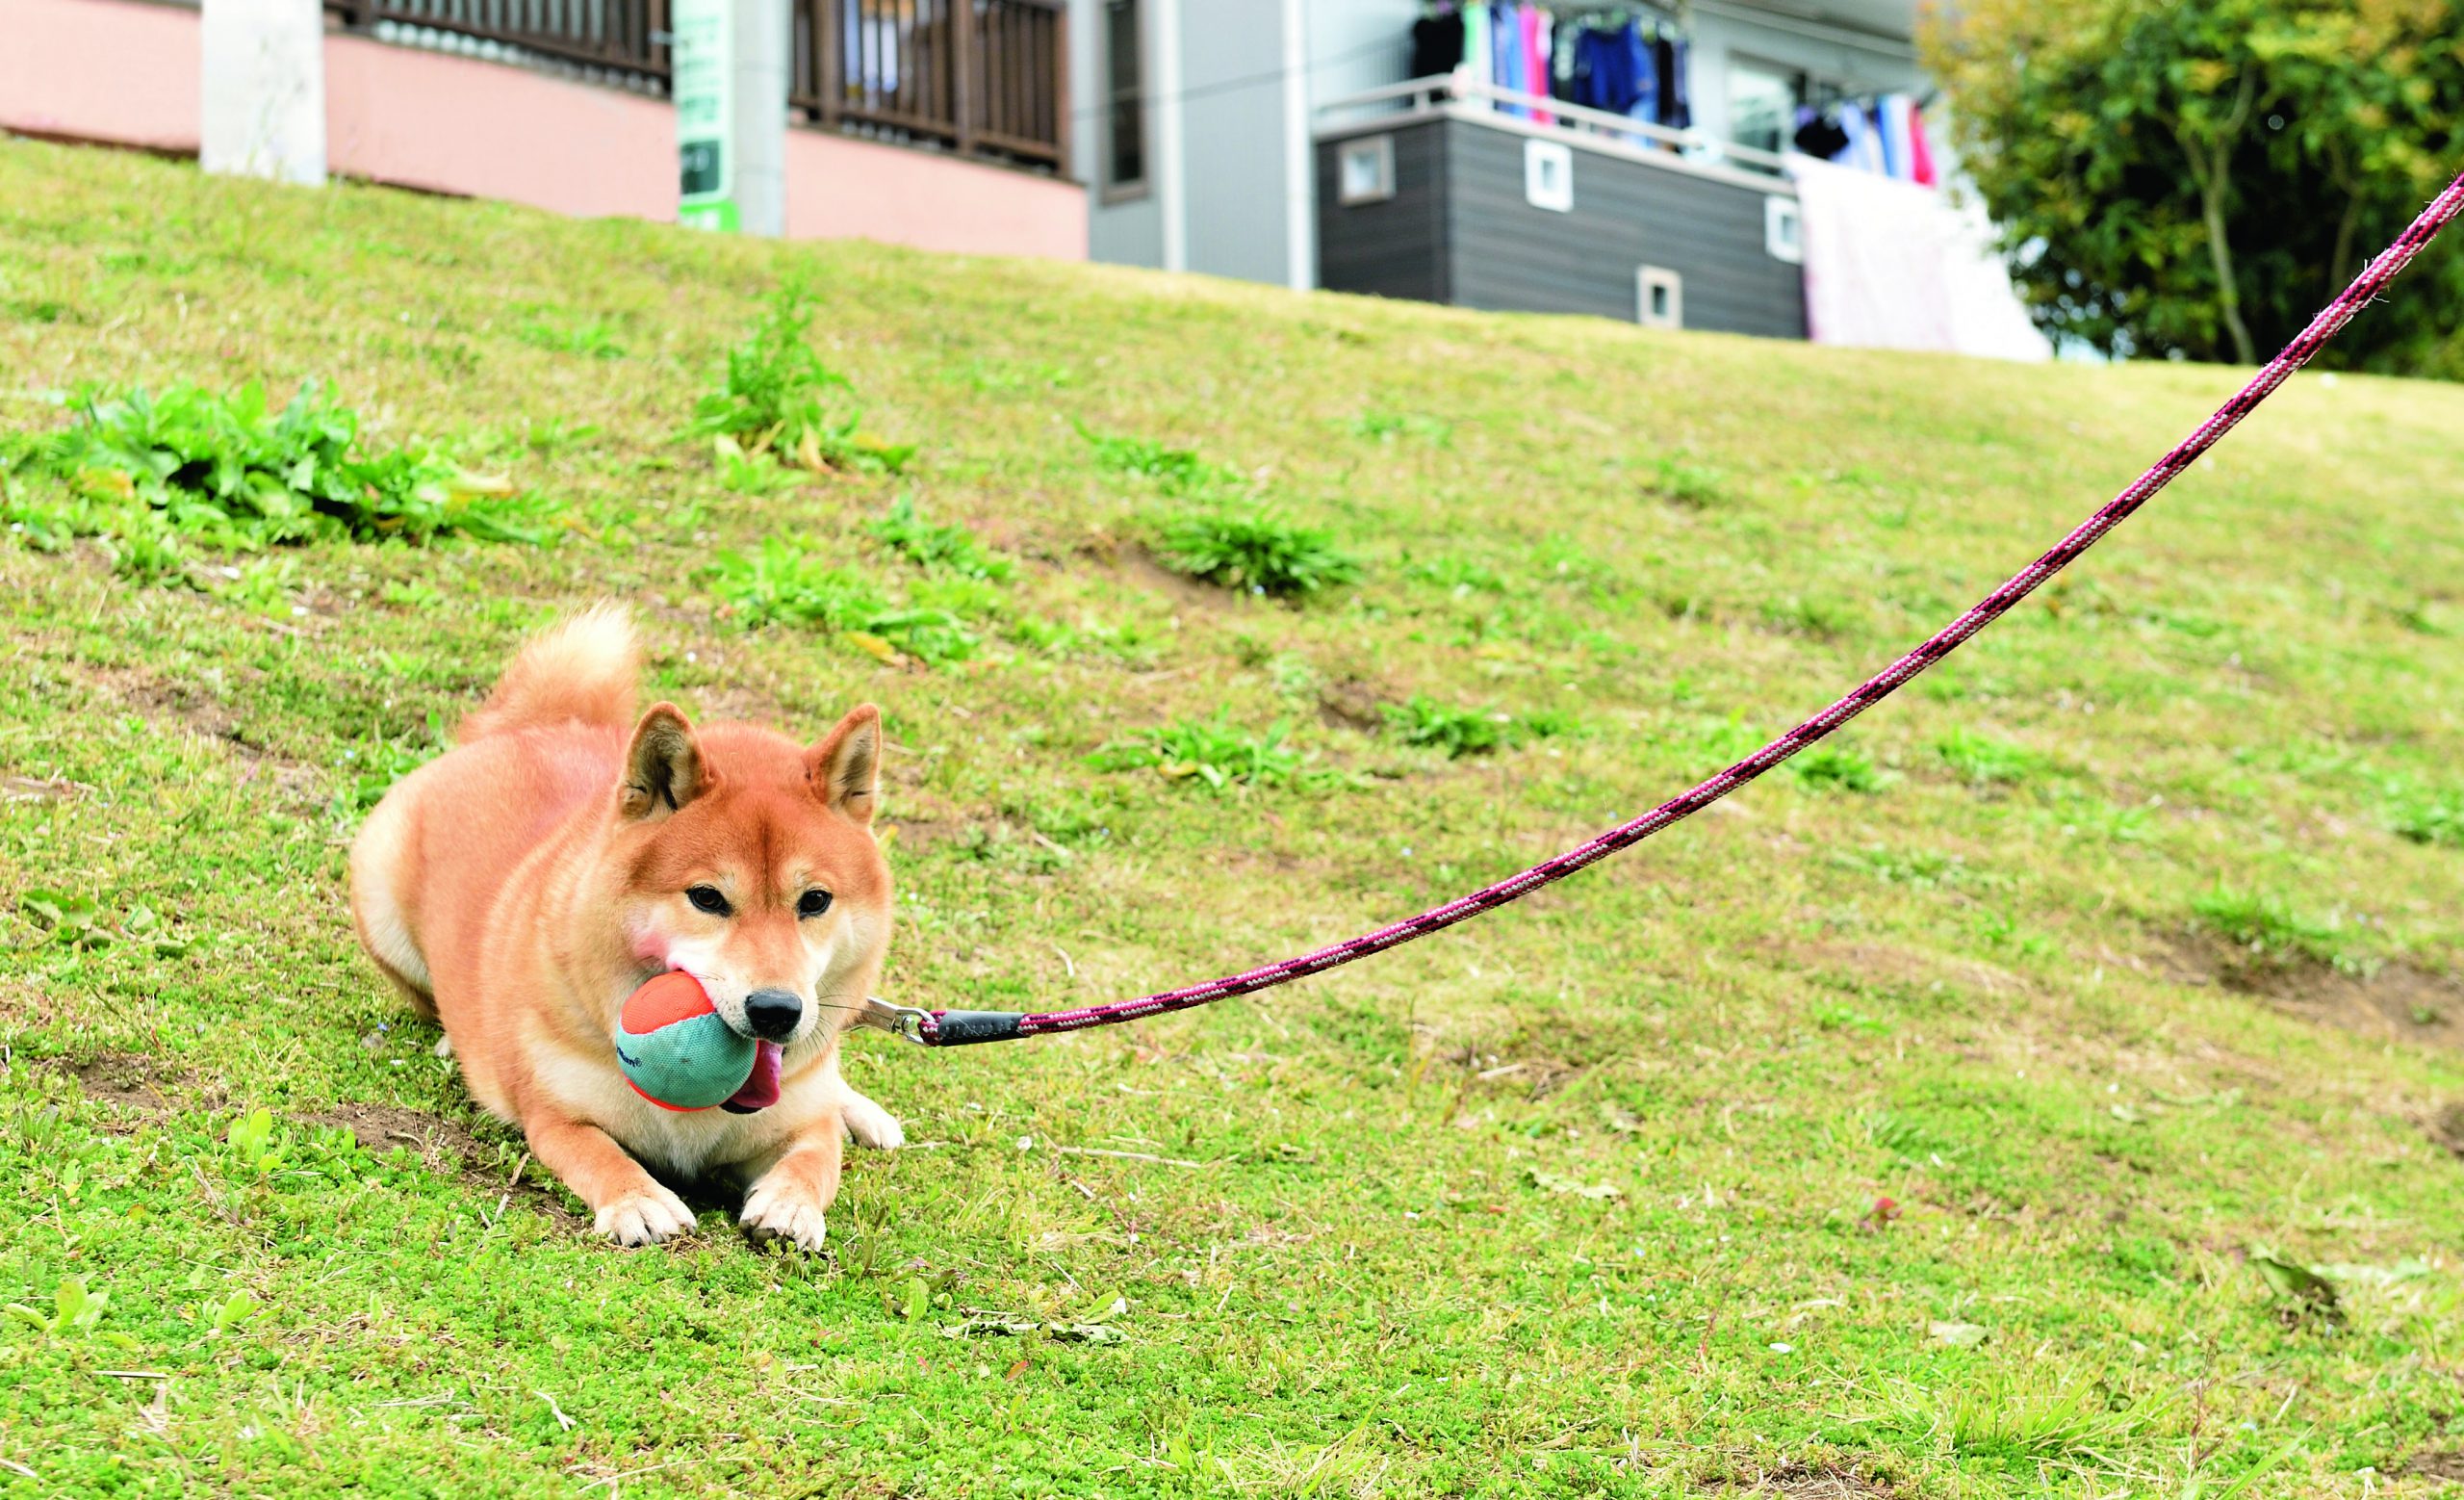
(813, 903)
(707, 898)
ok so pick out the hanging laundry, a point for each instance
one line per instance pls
(1818, 134)
(1643, 56)
(1892, 265)
(1437, 44)
(1891, 112)
(1505, 53)
(1676, 99)
(1536, 37)
(1863, 152)
(1476, 55)
(1920, 154)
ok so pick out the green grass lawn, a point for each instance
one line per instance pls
(2118, 955)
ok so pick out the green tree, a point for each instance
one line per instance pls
(2195, 179)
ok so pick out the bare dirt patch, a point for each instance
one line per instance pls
(1816, 1481)
(1139, 566)
(1353, 703)
(165, 700)
(2447, 1129)
(444, 1146)
(2433, 1463)
(130, 1081)
(2395, 1002)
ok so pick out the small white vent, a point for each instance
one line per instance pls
(1659, 298)
(1365, 170)
(1548, 176)
(1784, 232)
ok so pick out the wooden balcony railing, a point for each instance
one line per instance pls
(982, 78)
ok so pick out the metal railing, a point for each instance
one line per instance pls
(981, 78)
(1461, 92)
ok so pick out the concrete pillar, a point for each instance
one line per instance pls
(1299, 154)
(1171, 164)
(763, 30)
(263, 94)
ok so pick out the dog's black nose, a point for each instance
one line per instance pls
(772, 1014)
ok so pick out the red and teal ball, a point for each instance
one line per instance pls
(675, 1049)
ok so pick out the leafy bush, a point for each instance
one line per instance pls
(936, 546)
(1212, 753)
(1828, 766)
(1460, 732)
(778, 397)
(1259, 551)
(150, 470)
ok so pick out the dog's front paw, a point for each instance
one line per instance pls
(645, 1217)
(785, 1210)
(871, 1125)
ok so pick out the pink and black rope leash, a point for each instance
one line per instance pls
(958, 1027)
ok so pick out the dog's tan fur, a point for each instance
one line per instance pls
(521, 886)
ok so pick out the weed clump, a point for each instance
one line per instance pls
(1685, 485)
(1983, 759)
(2427, 817)
(1236, 542)
(152, 473)
(1428, 724)
(936, 546)
(1175, 471)
(1827, 767)
(2271, 932)
(778, 398)
(1214, 754)
(783, 584)
(1259, 551)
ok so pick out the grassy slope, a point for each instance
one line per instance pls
(1979, 997)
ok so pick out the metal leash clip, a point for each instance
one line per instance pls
(901, 1020)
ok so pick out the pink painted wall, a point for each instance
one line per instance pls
(127, 73)
(101, 71)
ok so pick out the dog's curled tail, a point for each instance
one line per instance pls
(581, 671)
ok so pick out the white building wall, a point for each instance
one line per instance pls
(1226, 96)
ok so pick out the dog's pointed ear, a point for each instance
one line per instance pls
(663, 768)
(845, 769)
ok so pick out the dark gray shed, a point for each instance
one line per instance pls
(1476, 208)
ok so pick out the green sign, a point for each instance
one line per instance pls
(704, 57)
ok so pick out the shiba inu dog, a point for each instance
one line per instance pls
(521, 886)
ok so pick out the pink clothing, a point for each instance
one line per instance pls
(1535, 56)
(1920, 156)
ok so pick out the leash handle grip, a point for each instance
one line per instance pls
(965, 1027)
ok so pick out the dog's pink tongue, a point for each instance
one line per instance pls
(761, 1090)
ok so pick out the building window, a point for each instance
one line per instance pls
(1124, 99)
(1784, 232)
(1365, 170)
(1548, 176)
(1763, 104)
(1659, 298)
